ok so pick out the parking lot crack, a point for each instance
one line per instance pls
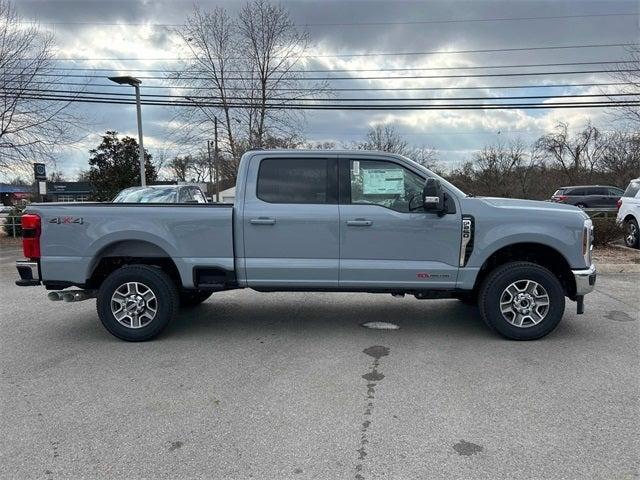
(373, 376)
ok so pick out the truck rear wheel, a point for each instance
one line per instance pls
(521, 301)
(136, 302)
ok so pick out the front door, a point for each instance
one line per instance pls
(290, 222)
(385, 241)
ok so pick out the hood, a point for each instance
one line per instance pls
(516, 203)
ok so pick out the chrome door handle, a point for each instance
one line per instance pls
(263, 221)
(359, 222)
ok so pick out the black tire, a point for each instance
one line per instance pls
(631, 233)
(166, 301)
(468, 298)
(193, 298)
(504, 276)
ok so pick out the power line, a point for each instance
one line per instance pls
(402, 69)
(191, 98)
(343, 89)
(281, 106)
(375, 54)
(386, 77)
(368, 24)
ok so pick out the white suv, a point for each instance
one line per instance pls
(629, 214)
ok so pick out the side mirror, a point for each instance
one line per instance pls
(433, 196)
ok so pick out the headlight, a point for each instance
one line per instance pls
(587, 241)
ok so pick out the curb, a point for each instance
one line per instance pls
(618, 267)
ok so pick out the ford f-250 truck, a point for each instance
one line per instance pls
(340, 221)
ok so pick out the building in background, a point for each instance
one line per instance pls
(12, 194)
(227, 196)
(68, 191)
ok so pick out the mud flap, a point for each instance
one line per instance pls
(580, 304)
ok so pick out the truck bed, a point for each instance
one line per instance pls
(76, 235)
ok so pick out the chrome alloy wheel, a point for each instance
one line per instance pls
(524, 303)
(134, 305)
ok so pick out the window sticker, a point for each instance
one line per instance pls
(383, 181)
(356, 168)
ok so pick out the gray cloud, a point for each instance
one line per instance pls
(455, 134)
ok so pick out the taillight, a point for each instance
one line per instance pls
(561, 198)
(619, 203)
(31, 235)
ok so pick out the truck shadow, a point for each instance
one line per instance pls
(330, 314)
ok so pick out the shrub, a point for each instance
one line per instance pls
(13, 217)
(605, 231)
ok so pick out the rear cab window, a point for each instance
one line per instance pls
(297, 180)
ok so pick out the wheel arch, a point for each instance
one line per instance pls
(629, 217)
(130, 252)
(534, 252)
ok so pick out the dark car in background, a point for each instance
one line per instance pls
(161, 194)
(588, 196)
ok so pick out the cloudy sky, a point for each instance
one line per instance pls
(102, 34)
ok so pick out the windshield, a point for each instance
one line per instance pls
(147, 195)
(632, 189)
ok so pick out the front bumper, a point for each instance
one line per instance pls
(585, 280)
(29, 273)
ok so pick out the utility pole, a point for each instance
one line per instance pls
(210, 168)
(215, 156)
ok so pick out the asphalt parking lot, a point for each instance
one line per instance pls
(277, 386)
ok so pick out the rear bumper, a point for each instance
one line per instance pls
(585, 280)
(29, 272)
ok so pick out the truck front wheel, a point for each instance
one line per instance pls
(136, 302)
(521, 301)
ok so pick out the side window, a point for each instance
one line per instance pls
(615, 192)
(599, 191)
(578, 192)
(196, 193)
(294, 180)
(384, 183)
(185, 195)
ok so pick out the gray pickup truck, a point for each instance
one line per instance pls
(339, 221)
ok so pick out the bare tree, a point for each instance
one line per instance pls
(386, 138)
(32, 125)
(620, 160)
(239, 68)
(576, 156)
(180, 167)
(628, 75)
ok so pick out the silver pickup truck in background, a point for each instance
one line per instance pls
(342, 221)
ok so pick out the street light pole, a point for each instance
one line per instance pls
(143, 180)
(135, 83)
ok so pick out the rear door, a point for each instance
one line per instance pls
(290, 222)
(384, 242)
(598, 197)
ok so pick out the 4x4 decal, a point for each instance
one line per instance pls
(66, 220)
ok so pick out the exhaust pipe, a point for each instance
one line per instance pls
(55, 296)
(77, 295)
